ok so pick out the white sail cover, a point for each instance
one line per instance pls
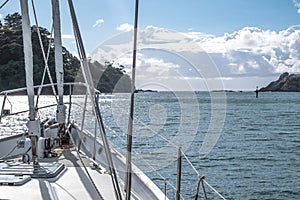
(58, 49)
(28, 56)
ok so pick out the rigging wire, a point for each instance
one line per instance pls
(87, 172)
(185, 156)
(212, 188)
(44, 73)
(187, 159)
(89, 81)
(130, 119)
(47, 68)
(190, 163)
(43, 51)
(3, 4)
(141, 158)
(145, 161)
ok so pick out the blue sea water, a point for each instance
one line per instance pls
(256, 141)
(257, 155)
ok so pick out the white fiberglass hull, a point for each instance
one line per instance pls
(73, 181)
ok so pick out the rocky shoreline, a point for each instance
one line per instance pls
(286, 83)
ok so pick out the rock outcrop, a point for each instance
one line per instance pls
(286, 83)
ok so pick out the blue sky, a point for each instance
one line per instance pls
(207, 16)
(220, 16)
(209, 22)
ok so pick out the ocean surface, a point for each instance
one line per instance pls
(246, 147)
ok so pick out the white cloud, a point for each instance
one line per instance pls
(254, 52)
(297, 5)
(198, 36)
(1, 16)
(165, 57)
(156, 67)
(125, 27)
(98, 23)
(250, 52)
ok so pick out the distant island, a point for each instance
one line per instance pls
(286, 83)
(143, 91)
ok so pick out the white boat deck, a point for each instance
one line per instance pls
(72, 182)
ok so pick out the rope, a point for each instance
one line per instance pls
(4, 4)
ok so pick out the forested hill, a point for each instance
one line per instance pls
(12, 70)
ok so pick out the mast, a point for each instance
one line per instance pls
(130, 120)
(28, 57)
(61, 108)
(33, 124)
(58, 49)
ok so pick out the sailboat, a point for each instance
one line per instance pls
(59, 159)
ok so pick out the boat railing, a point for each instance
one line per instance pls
(20, 91)
(168, 186)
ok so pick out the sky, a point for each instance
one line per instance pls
(242, 43)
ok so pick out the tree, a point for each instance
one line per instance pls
(13, 21)
(12, 56)
(12, 72)
(110, 79)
